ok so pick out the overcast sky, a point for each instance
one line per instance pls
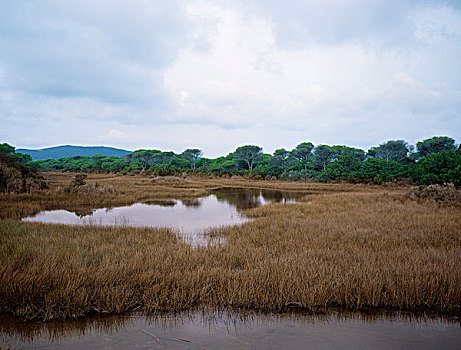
(219, 74)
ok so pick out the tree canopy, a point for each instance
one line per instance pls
(192, 155)
(391, 151)
(248, 155)
(6, 148)
(323, 155)
(435, 144)
(303, 152)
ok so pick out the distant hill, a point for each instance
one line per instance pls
(70, 151)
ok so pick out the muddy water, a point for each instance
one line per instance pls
(189, 217)
(243, 331)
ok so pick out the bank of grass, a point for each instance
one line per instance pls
(354, 247)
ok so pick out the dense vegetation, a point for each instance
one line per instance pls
(434, 160)
(15, 174)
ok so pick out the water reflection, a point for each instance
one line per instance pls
(254, 198)
(165, 203)
(191, 218)
(83, 212)
(239, 330)
(191, 203)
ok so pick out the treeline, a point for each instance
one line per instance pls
(434, 160)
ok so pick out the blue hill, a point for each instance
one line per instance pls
(70, 151)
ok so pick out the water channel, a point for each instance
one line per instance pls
(236, 331)
(190, 218)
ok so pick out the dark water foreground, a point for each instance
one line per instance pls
(236, 331)
(189, 217)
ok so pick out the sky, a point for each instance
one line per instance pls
(215, 75)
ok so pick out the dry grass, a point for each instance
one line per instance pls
(130, 189)
(351, 246)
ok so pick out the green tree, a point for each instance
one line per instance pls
(378, 170)
(142, 159)
(179, 163)
(357, 153)
(393, 150)
(435, 144)
(6, 148)
(163, 159)
(16, 176)
(248, 155)
(343, 166)
(262, 166)
(192, 155)
(323, 155)
(441, 167)
(21, 157)
(223, 164)
(303, 152)
(280, 161)
(111, 164)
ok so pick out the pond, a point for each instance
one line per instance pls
(190, 218)
(236, 331)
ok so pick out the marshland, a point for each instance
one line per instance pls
(349, 246)
(166, 163)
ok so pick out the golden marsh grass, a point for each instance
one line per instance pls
(348, 246)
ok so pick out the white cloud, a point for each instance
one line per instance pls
(322, 90)
(113, 135)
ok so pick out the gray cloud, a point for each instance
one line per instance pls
(217, 74)
(112, 51)
(375, 23)
(334, 22)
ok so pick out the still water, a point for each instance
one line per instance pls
(190, 218)
(236, 331)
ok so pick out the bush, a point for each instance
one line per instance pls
(79, 180)
(446, 193)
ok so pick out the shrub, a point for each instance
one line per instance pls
(446, 193)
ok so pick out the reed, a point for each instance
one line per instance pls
(348, 246)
